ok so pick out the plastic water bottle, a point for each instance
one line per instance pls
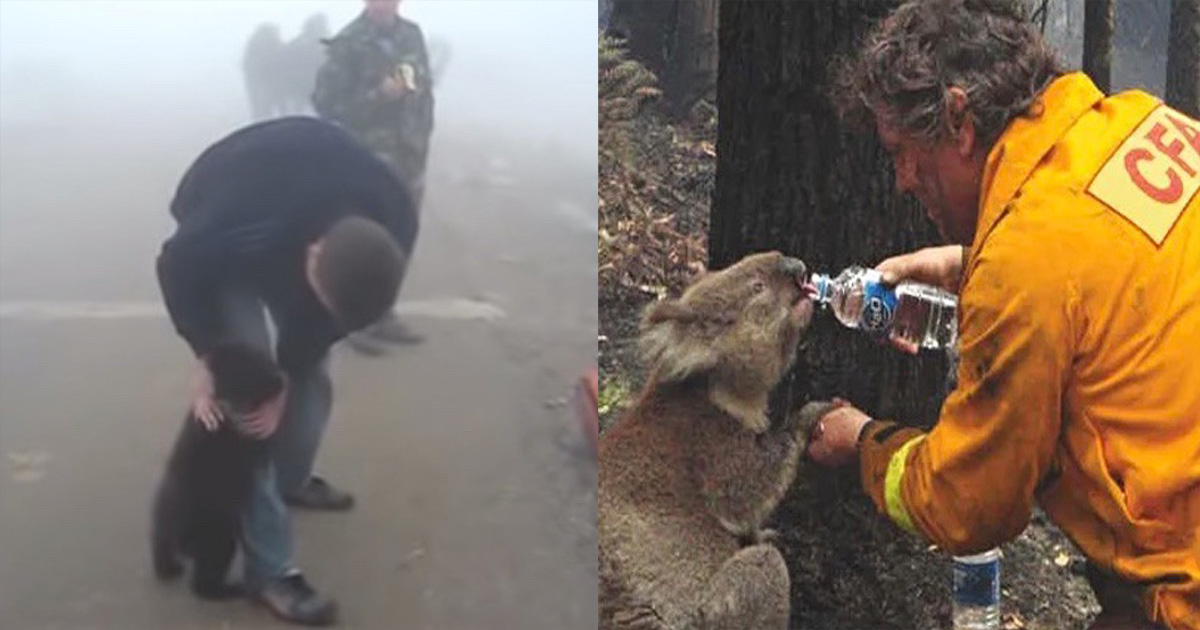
(913, 314)
(977, 591)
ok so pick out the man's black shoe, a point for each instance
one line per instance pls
(292, 599)
(317, 494)
(364, 344)
(392, 330)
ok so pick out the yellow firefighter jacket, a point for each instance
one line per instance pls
(1079, 377)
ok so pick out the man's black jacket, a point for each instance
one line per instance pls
(248, 208)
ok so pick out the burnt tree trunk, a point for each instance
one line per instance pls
(1097, 42)
(645, 26)
(1183, 58)
(675, 39)
(692, 66)
(789, 178)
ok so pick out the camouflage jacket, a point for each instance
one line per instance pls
(347, 86)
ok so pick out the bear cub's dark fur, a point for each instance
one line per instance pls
(199, 503)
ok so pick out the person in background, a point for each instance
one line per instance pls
(376, 82)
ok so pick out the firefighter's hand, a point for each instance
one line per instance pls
(834, 440)
(938, 266)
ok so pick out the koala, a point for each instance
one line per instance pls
(199, 502)
(694, 467)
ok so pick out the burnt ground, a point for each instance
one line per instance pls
(885, 580)
(656, 184)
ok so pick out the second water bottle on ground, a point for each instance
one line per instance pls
(977, 591)
(913, 314)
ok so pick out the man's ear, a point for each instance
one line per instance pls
(311, 259)
(961, 123)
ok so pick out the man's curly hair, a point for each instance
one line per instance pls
(988, 48)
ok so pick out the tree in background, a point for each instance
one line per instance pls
(676, 39)
(1097, 42)
(1183, 57)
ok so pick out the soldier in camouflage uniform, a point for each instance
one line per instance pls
(376, 82)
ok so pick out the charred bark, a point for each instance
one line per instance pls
(1183, 58)
(1097, 42)
(692, 67)
(676, 40)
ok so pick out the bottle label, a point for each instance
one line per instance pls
(879, 304)
(977, 584)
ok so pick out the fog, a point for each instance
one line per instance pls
(103, 104)
(521, 65)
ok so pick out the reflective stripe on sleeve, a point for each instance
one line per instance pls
(891, 487)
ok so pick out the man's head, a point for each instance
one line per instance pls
(940, 80)
(355, 269)
(382, 11)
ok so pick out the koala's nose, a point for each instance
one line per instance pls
(793, 267)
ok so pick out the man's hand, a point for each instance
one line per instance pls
(938, 266)
(204, 406)
(262, 422)
(834, 440)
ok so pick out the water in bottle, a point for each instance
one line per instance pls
(977, 591)
(913, 314)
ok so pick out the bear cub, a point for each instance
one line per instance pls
(199, 502)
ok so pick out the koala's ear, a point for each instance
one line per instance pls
(667, 310)
(669, 346)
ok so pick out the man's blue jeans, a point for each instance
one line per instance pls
(267, 533)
